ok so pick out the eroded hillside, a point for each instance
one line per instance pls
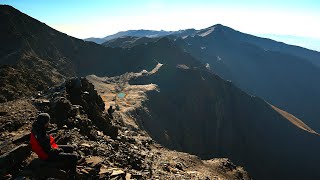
(193, 110)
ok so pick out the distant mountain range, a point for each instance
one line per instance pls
(278, 72)
(218, 88)
(133, 33)
(140, 33)
(307, 42)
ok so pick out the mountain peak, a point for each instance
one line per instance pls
(221, 27)
(6, 9)
(207, 31)
(6, 6)
(218, 26)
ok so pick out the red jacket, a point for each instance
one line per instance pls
(36, 147)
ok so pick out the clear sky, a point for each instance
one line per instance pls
(98, 18)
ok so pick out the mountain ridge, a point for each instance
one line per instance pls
(195, 110)
(280, 46)
(226, 122)
(254, 67)
(278, 77)
(139, 33)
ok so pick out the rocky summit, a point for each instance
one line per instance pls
(110, 148)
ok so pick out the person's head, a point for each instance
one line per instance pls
(43, 120)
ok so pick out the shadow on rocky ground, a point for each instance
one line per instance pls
(110, 148)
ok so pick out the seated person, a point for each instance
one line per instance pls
(45, 147)
(110, 112)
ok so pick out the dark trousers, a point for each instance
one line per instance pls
(67, 148)
(67, 158)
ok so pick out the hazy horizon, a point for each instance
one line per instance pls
(84, 19)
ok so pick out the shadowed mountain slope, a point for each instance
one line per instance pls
(128, 41)
(35, 56)
(269, 44)
(198, 112)
(285, 80)
(284, 75)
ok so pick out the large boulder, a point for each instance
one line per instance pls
(12, 159)
(77, 104)
(39, 169)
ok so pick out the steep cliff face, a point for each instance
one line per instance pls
(33, 56)
(285, 80)
(274, 71)
(198, 112)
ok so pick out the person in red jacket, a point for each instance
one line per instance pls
(45, 146)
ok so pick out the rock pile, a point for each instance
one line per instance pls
(77, 118)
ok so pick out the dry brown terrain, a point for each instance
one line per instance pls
(294, 120)
(166, 163)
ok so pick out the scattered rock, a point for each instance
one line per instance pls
(85, 145)
(128, 176)
(8, 176)
(84, 171)
(166, 167)
(117, 173)
(94, 161)
(3, 113)
(104, 171)
(179, 166)
(111, 150)
(42, 105)
(136, 176)
(228, 164)
(21, 138)
(13, 158)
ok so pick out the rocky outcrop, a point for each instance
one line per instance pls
(13, 158)
(125, 153)
(76, 104)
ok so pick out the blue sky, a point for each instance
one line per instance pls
(98, 18)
